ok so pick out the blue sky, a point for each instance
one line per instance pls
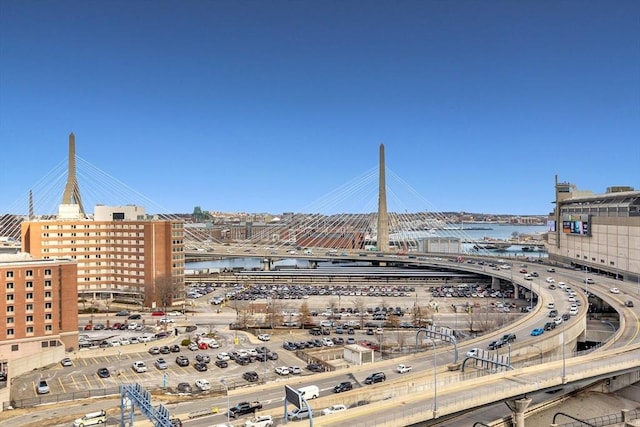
(273, 106)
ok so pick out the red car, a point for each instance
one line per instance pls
(203, 345)
(88, 327)
(158, 313)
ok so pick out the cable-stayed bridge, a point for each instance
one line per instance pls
(350, 217)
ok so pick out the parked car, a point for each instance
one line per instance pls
(222, 363)
(184, 388)
(66, 362)
(123, 313)
(154, 350)
(264, 337)
(139, 366)
(200, 367)
(282, 370)
(203, 358)
(295, 370)
(628, 303)
(315, 367)
(161, 364)
(182, 361)
(43, 387)
(104, 373)
(251, 376)
(203, 384)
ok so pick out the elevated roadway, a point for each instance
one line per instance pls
(454, 391)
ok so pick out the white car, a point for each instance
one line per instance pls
(264, 337)
(333, 409)
(132, 326)
(223, 356)
(557, 320)
(549, 280)
(614, 290)
(282, 370)
(166, 320)
(295, 370)
(144, 338)
(259, 421)
(203, 384)
(139, 366)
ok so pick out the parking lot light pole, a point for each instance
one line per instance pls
(226, 387)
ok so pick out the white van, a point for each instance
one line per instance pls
(92, 418)
(310, 391)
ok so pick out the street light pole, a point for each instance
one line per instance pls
(435, 379)
(564, 371)
(226, 387)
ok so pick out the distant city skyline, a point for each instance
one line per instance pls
(280, 106)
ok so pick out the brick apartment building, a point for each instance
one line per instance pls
(36, 325)
(121, 252)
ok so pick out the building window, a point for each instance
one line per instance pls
(47, 294)
(9, 319)
(48, 328)
(29, 273)
(10, 309)
(47, 305)
(10, 297)
(28, 285)
(9, 274)
(47, 283)
(48, 316)
(53, 343)
(9, 285)
(47, 272)
(29, 318)
(44, 344)
(29, 307)
(29, 295)
(29, 329)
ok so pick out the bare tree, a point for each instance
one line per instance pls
(361, 307)
(305, 314)
(274, 313)
(166, 290)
